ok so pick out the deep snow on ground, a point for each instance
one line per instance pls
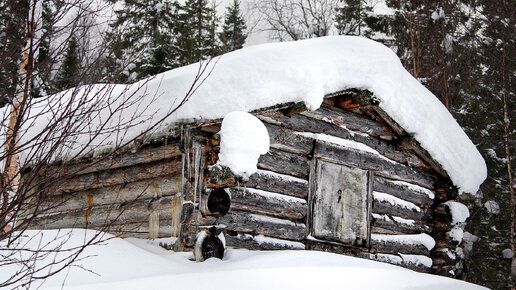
(143, 264)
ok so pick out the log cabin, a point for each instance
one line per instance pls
(349, 175)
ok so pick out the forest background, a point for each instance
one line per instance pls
(463, 51)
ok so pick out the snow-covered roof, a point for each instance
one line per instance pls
(303, 71)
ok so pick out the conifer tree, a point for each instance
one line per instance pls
(196, 32)
(67, 75)
(233, 31)
(352, 17)
(143, 41)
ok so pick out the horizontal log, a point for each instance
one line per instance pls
(384, 224)
(254, 224)
(304, 123)
(285, 163)
(268, 203)
(279, 183)
(118, 194)
(337, 248)
(134, 212)
(122, 176)
(367, 160)
(352, 121)
(261, 243)
(122, 159)
(395, 247)
(138, 230)
(406, 261)
(285, 140)
(412, 193)
(382, 207)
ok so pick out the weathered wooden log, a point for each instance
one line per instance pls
(383, 207)
(409, 143)
(337, 248)
(285, 140)
(285, 163)
(268, 203)
(254, 224)
(384, 224)
(367, 160)
(118, 194)
(413, 193)
(304, 123)
(250, 242)
(413, 262)
(122, 176)
(278, 183)
(124, 159)
(138, 230)
(116, 214)
(352, 121)
(395, 247)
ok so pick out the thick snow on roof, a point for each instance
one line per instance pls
(304, 71)
(143, 264)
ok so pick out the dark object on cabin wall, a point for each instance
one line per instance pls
(219, 202)
(212, 246)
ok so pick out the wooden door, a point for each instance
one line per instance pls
(340, 203)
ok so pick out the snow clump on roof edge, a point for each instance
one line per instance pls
(305, 71)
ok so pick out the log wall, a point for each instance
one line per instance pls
(164, 191)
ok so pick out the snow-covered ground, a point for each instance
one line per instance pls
(143, 264)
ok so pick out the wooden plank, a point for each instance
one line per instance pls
(118, 194)
(122, 176)
(276, 183)
(285, 163)
(372, 161)
(254, 224)
(252, 243)
(402, 191)
(337, 248)
(267, 203)
(122, 159)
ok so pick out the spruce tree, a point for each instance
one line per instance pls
(68, 73)
(196, 32)
(233, 31)
(143, 39)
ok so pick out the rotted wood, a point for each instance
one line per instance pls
(351, 99)
(121, 176)
(248, 242)
(391, 247)
(372, 161)
(123, 159)
(115, 214)
(285, 163)
(278, 185)
(401, 191)
(381, 226)
(388, 209)
(118, 194)
(409, 143)
(245, 223)
(272, 205)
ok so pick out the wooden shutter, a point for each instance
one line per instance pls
(340, 203)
